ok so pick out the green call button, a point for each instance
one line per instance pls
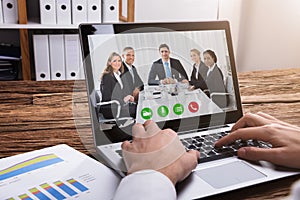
(163, 111)
(178, 109)
(146, 113)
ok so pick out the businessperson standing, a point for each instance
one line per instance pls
(132, 80)
(166, 70)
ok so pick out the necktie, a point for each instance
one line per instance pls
(168, 70)
(131, 72)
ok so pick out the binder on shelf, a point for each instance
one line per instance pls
(110, 9)
(63, 12)
(72, 54)
(41, 57)
(1, 14)
(48, 11)
(94, 11)
(57, 57)
(79, 11)
(10, 11)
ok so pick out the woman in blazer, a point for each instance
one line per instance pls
(214, 78)
(113, 88)
(199, 72)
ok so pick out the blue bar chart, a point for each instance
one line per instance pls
(36, 192)
(78, 185)
(65, 188)
(53, 192)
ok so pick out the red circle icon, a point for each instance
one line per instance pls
(193, 107)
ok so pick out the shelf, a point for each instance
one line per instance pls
(29, 21)
(34, 25)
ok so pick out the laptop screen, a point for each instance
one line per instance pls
(180, 75)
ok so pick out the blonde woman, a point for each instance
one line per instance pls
(113, 88)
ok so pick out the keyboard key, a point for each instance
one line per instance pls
(205, 145)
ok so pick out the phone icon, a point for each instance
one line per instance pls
(193, 107)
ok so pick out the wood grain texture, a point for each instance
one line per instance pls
(35, 115)
(24, 44)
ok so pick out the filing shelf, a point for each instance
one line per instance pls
(24, 25)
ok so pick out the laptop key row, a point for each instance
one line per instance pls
(208, 152)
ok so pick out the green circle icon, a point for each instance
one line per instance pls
(178, 109)
(146, 113)
(163, 111)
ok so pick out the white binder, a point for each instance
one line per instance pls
(110, 9)
(10, 11)
(94, 11)
(48, 11)
(72, 53)
(63, 12)
(79, 11)
(1, 13)
(41, 57)
(57, 57)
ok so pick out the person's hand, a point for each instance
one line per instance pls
(135, 94)
(168, 81)
(284, 137)
(128, 98)
(192, 87)
(184, 81)
(147, 139)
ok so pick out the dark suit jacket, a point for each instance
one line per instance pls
(203, 70)
(157, 71)
(111, 90)
(215, 83)
(128, 82)
(200, 81)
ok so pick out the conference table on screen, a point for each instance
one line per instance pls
(173, 101)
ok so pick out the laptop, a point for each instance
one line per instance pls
(199, 117)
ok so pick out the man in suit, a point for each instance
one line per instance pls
(132, 81)
(166, 70)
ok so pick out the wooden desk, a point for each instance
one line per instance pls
(35, 115)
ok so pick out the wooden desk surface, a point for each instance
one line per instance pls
(35, 115)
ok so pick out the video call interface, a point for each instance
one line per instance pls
(160, 76)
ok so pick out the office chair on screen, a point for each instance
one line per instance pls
(120, 121)
(227, 96)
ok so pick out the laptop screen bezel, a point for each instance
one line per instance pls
(204, 121)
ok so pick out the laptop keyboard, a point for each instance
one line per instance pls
(205, 145)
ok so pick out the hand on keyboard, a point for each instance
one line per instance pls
(284, 137)
(208, 152)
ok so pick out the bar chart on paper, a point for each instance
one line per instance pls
(55, 173)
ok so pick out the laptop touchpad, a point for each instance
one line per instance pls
(229, 174)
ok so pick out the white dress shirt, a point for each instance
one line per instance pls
(210, 69)
(117, 75)
(146, 185)
(295, 193)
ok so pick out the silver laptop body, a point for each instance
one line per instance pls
(194, 115)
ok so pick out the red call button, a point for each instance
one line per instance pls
(193, 107)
